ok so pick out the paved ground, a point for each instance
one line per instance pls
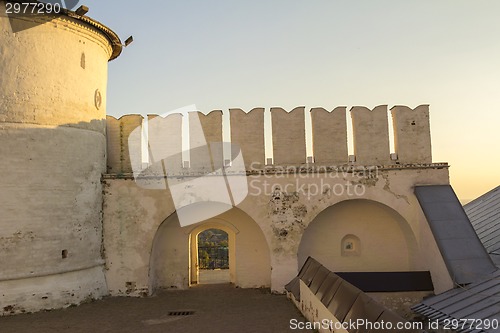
(217, 308)
(214, 276)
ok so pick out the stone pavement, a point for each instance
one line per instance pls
(217, 308)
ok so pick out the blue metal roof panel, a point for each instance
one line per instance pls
(484, 214)
(462, 251)
(479, 301)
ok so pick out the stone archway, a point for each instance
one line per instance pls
(219, 224)
(171, 261)
(360, 236)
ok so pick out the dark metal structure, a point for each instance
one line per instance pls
(476, 306)
(389, 281)
(345, 301)
(464, 254)
(484, 214)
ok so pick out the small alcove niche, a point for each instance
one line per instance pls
(350, 246)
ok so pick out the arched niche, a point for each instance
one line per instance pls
(350, 245)
(359, 235)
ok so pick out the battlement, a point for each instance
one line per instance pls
(329, 129)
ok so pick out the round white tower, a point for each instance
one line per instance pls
(53, 77)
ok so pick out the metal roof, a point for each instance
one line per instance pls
(345, 301)
(478, 301)
(484, 214)
(464, 255)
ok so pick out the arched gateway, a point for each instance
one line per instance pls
(174, 255)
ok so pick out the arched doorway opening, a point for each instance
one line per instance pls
(360, 236)
(213, 246)
(213, 257)
(213, 252)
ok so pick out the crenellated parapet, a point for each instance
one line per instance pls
(329, 135)
(371, 135)
(412, 134)
(165, 139)
(205, 151)
(289, 136)
(118, 132)
(247, 131)
(205, 138)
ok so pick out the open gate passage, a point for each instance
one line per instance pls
(213, 257)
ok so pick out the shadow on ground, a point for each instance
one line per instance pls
(217, 308)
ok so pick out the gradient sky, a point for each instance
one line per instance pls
(232, 53)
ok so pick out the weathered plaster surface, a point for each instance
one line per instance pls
(145, 244)
(53, 148)
(295, 220)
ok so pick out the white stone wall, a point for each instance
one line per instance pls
(146, 247)
(294, 223)
(53, 148)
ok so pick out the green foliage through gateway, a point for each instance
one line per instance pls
(213, 251)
